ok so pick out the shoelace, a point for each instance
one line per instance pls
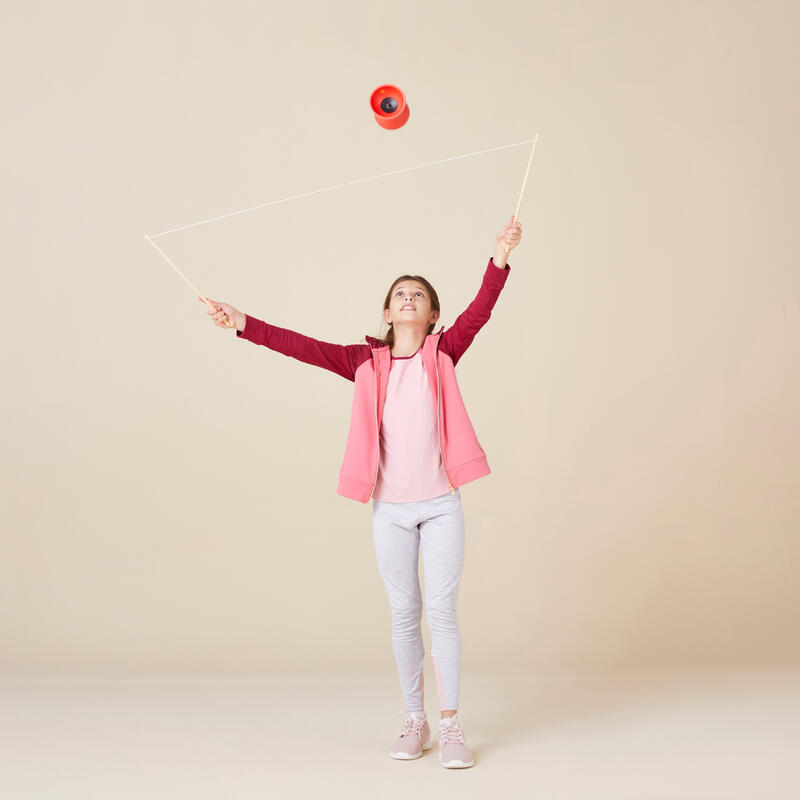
(451, 733)
(411, 725)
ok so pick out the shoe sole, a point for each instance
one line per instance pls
(410, 756)
(456, 764)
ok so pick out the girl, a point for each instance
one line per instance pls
(410, 447)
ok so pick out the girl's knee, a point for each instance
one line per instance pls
(406, 614)
(442, 616)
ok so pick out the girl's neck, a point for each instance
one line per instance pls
(408, 346)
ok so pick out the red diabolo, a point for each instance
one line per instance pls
(389, 106)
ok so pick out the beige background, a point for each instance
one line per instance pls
(169, 503)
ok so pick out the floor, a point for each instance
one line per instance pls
(638, 737)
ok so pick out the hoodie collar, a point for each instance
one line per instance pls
(376, 344)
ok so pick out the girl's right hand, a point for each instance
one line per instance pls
(224, 315)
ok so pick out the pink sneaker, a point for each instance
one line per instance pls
(414, 738)
(453, 750)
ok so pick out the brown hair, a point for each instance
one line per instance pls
(389, 338)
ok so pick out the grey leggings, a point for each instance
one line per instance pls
(399, 529)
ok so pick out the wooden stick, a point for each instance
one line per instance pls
(228, 323)
(524, 182)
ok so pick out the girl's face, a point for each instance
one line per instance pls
(410, 305)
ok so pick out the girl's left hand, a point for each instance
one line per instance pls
(509, 234)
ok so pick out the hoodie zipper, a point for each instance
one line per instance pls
(438, 416)
(377, 427)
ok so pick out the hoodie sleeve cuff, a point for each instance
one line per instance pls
(254, 330)
(496, 275)
(507, 267)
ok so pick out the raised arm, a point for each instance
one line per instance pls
(456, 339)
(339, 358)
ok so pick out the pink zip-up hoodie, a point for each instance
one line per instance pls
(367, 365)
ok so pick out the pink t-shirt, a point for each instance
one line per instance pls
(410, 464)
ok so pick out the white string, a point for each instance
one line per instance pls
(338, 186)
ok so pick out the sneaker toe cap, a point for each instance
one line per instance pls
(456, 754)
